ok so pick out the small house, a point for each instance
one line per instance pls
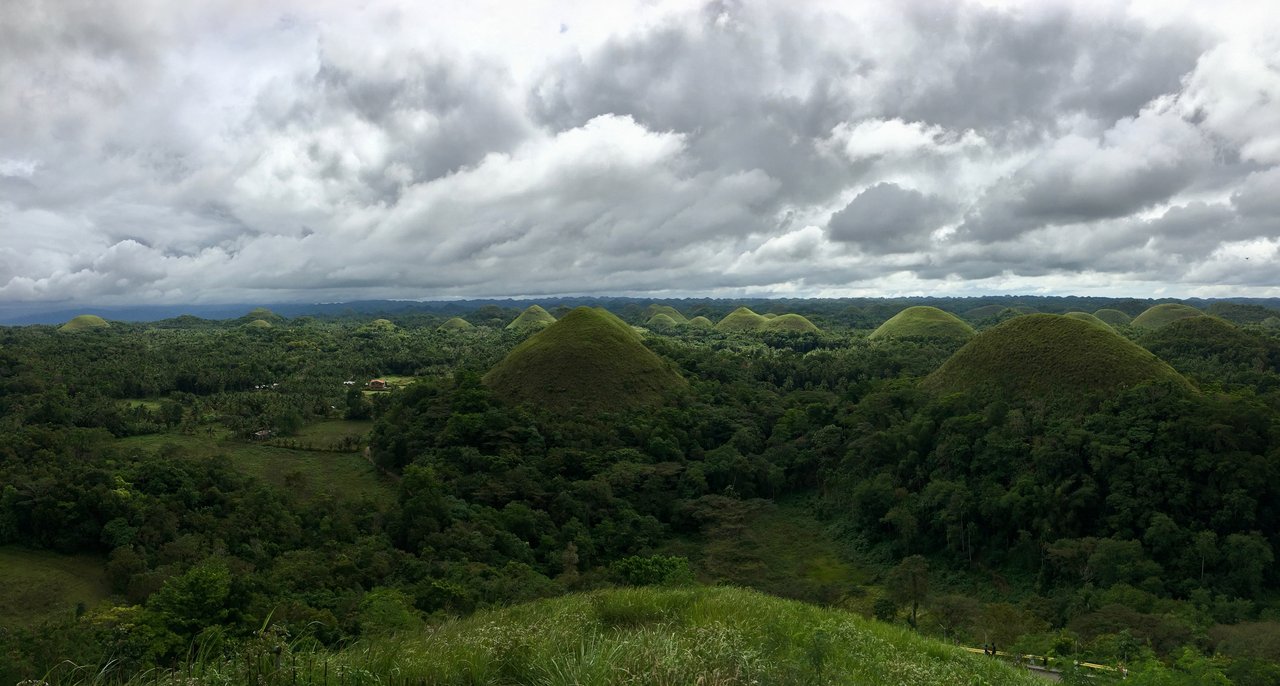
(378, 385)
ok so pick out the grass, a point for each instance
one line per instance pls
(654, 310)
(778, 548)
(456, 324)
(307, 473)
(534, 317)
(1163, 315)
(36, 585)
(790, 322)
(923, 322)
(1046, 355)
(590, 359)
(83, 322)
(692, 636)
(333, 434)
(741, 319)
(1113, 317)
(1087, 318)
(145, 403)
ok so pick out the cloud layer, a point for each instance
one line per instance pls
(232, 151)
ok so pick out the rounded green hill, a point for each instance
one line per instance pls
(456, 324)
(1206, 338)
(1048, 356)
(923, 321)
(384, 324)
(263, 314)
(534, 317)
(1113, 317)
(653, 310)
(1086, 317)
(701, 322)
(662, 321)
(741, 319)
(1163, 315)
(259, 324)
(84, 322)
(769, 315)
(589, 360)
(792, 323)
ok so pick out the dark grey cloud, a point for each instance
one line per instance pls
(887, 218)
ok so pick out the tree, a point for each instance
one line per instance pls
(953, 613)
(909, 583)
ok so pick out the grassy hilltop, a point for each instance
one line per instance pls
(534, 317)
(588, 359)
(923, 322)
(1163, 315)
(84, 322)
(456, 324)
(1046, 355)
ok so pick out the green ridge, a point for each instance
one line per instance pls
(1162, 315)
(983, 312)
(790, 322)
(532, 318)
(701, 322)
(1113, 317)
(741, 319)
(456, 324)
(1207, 338)
(1048, 356)
(661, 321)
(1086, 317)
(653, 310)
(84, 322)
(590, 359)
(706, 635)
(923, 321)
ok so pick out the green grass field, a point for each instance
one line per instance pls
(310, 474)
(37, 585)
(329, 435)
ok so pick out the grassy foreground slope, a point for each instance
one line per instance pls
(1048, 355)
(37, 585)
(589, 359)
(719, 636)
(923, 322)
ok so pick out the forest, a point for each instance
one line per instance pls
(1089, 480)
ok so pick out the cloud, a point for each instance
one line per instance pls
(231, 151)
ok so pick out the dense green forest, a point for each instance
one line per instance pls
(1081, 488)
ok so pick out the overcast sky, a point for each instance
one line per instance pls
(154, 151)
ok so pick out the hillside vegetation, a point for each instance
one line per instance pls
(923, 322)
(1086, 317)
(590, 359)
(1163, 315)
(1046, 355)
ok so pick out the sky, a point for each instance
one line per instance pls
(159, 152)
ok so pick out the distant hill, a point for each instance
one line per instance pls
(456, 324)
(262, 314)
(704, 635)
(1086, 317)
(662, 321)
(741, 319)
(923, 322)
(588, 360)
(792, 323)
(534, 317)
(84, 322)
(1049, 356)
(701, 322)
(1113, 317)
(259, 324)
(653, 310)
(1193, 341)
(1164, 314)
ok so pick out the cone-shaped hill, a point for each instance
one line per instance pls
(84, 322)
(1048, 356)
(456, 324)
(532, 318)
(262, 313)
(654, 310)
(1113, 317)
(923, 321)
(1164, 314)
(701, 322)
(1196, 340)
(662, 321)
(1086, 317)
(589, 360)
(791, 323)
(259, 324)
(741, 319)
